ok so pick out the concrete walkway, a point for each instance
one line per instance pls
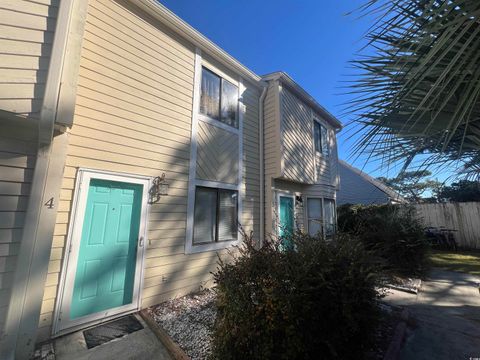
(141, 344)
(446, 313)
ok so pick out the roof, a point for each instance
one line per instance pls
(305, 96)
(391, 194)
(179, 26)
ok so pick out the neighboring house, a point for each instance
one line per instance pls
(99, 99)
(357, 187)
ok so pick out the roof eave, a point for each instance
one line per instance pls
(292, 84)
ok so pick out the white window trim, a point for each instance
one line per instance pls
(307, 218)
(322, 124)
(315, 118)
(218, 123)
(213, 121)
(67, 275)
(193, 182)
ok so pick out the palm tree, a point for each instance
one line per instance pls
(419, 92)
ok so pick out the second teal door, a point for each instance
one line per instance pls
(287, 220)
(105, 273)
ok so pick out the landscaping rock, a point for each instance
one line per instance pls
(188, 321)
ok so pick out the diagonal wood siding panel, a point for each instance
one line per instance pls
(217, 154)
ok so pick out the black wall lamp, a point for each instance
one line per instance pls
(159, 188)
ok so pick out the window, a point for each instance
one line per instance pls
(314, 213)
(219, 98)
(320, 138)
(215, 215)
(321, 217)
(330, 219)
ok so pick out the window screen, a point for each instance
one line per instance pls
(215, 215)
(205, 215)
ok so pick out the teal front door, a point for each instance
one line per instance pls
(105, 271)
(287, 221)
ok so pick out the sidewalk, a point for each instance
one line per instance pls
(447, 315)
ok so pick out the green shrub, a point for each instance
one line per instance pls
(392, 231)
(316, 300)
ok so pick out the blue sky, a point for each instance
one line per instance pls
(311, 40)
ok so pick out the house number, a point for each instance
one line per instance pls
(50, 203)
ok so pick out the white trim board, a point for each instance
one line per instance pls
(65, 289)
(193, 182)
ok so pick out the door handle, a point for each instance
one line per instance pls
(140, 241)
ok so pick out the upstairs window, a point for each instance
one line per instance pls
(320, 135)
(219, 98)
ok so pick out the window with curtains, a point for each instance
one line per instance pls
(219, 98)
(315, 218)
(215, 215)
(330, 220)
(320, 135)
(321, 217)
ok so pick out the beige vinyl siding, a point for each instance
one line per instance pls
(26, 36)
(297, 139)
(251, 161)
(18, 148)
(133, 114)
(272, 149)
(299, 161)
(217, 154)
(334, 171)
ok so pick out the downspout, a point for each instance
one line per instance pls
(20, 328)
(261, 102)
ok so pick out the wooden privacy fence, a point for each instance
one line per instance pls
(463, 217)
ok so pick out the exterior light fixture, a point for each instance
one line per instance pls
(159, 188)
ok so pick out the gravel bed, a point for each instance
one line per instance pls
(189, 320)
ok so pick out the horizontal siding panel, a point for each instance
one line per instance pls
(106, 101)
(20, 48)
(30, 7)
(176, 101)
(27, 35)
(126, 98)
(133, 41)
(28, 21)
(95, 52)
(139, 125)
(114, 45)
(126, 16)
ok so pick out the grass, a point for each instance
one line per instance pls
(462, 261)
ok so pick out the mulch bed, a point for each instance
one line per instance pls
(188, 321)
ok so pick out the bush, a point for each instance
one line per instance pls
(392, 231)
(316, 301)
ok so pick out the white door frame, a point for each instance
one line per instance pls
(61, 324)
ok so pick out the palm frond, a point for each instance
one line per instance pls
(419, 93)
